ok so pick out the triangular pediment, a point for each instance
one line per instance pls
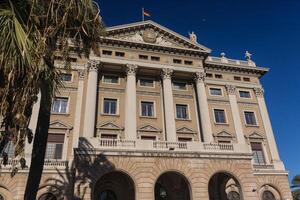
(149, 128)
(224, 134)
(149, 32)
(109, 126)
(57, 124)
(185, 129)
(255, 136)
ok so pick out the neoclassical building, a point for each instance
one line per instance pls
(155, 117)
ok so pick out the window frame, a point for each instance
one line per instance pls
(67, 108)
(262, 151)
(102, 79)
(187, 111)
(149, 136)
(191, 139)
(117, 104)
(62, 150)
(139, 82)
(244, 90)
(186, 85)
(154, 108)
(212, 87)
(225, 115)
(255, 116)
(71, 80)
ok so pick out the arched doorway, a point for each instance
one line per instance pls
(223, 186)
(172, 186)
(267, 195)
(114, 186)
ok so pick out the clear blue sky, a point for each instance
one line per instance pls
(269, 29)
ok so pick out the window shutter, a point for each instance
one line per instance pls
(57, 138)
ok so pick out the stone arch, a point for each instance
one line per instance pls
(279, 183)
(271, 189)
(5, 193)
(8, 183)
(46, 188)
(174, 185)
(118, 183)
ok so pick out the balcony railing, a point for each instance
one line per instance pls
(218, 146)
(111, 143)
(12, 163)
(169, 145)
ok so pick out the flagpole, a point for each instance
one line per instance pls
(143, 17)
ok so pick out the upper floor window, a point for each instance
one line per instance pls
(177, 61)
(65, 77)
(146, 82)
(111, 79)
(60, 105)
(109, 136)
(220, 116)
(155, 58)
(237, 78)
(215, 91)
(245, 94)
(179, 85)
(188, 62)
(107, 53)
(147, 109)
(182, 111)
(247, 79)
(218, 76)
(143, 57)
(120, 54)
(250, 118)
(10, 149)
(184, 139)
(209, 75)
(258, 154)
(55, 144)
(148, 137)
(110, 106)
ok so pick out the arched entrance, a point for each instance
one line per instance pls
(223, 186)
(172, 186)
(114, 186)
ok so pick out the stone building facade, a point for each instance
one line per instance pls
(154, 116)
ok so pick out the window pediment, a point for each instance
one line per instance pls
(57, 124)
(185, 130)
(255, 136)
(224, 134)
(109, 126)
(148, 128)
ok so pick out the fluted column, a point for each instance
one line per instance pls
(169, 105)
(231, 90)
(91, 100)
(130, 101)
(267, 125)
(79, 98)
(203, 107)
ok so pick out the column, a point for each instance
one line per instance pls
(91, 100)
(169, 105)
(78, 111)
(231, 90)
(130, 103)
(268, 127)
(203, 107)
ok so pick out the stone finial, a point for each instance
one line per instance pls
(199, 76)
(193, 37)
(223, 58)
(166, 73)
(259, 92)
(131, 69)
(230, 89)
(93, 65)
(222, 55)
(248, 55)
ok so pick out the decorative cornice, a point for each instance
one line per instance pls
(166, 73)
(231, 89)
(259, 92)
(199, 77)
(131, 69)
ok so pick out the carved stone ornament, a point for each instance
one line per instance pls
(93, 65)
(131, 69)
(199, 76)
(149, 36)
(166, 73)
(230, 89)
(259, 92)
(81, 74)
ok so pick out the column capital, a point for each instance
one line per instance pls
(93, 65)
(131, 69)
(199, 76)
(231, 89)
(81, 74)
(259, 92)
(166, 73)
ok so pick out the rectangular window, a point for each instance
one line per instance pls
(258, 154)
(54, 150)
(209, 75)
(147, 109)
(181, 111)
(143, 57)
(65, 77)
(120, 54)
(237, 78)
(218, 76)
(111, 79)
(244, 94)
(220, 116)
(155, 58)
(188, 62)
(110, 106)
(246, 79)
(184, 139)
(177, 61)
(147, 137)
(109, 136)
(146, 82)
(250, 118)
(60, 105)
(179, 85)
(215, 91)
(107, 53)
(10, 149)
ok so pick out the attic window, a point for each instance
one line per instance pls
(106, 52)
(155, 58)
(120, 54)
(218, 76)
(188, 62)
(177, 61)
(237, 78)
(143, 57)
(209, 75)
(246, 79)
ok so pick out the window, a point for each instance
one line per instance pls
(54, 146)
(209, 75)
(155, 58)
(188, 62)
(110, 106)
(218, 76)
(147, 137)
(181, 111)
(143, 57)
(244, 94)
(177, 61)
(147, 109)
(107, 53)
(258, 155)
(120, 54)
(109, 136)
(220, 116)
(184, 139)
(146, 82)
(246, 79)
(250, 118)
(111, 79)
(237, 78)
(267, 195)
(60, 105)
(215, 91)
(179, 85)
(65, 77)
(10, 149)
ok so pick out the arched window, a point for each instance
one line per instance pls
(48, 196)
(267, 195)
(108, 195)
(233, 195)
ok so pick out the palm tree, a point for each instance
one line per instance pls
(32, 32)
(296, 187)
